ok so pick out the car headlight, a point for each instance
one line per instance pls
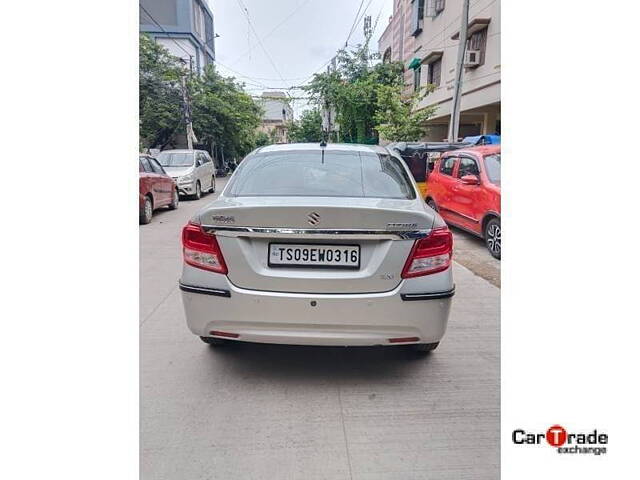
(186, 179)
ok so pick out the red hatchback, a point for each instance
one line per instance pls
(157, 189)
(464, 187)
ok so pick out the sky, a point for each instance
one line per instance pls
(299, 37)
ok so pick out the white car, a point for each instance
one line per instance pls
(192, 170)
(318, 245)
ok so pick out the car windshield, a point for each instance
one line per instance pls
(309, 174)
(492, 164)
(175, 159)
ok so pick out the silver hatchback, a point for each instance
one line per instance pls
(318, 245)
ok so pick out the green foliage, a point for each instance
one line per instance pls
(308, 128)
(369, 100)
(262, 139)
(396, 116)
(222, 113)
(160, 96)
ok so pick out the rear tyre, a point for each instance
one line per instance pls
(147, 211)
(213, 185)
(424, 348)
(174, 202)
(492, 237)
(198, 194)
(215, 342)
(432, 204)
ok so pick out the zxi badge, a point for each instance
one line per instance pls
(313, 218)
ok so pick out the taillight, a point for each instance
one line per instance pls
(201, 249)
(431, 254)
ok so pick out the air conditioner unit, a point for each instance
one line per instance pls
(471, 58)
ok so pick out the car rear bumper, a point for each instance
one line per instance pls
(324, 319)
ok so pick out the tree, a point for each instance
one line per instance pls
(308, 128)
(160, 101)
(397, 117)
(262, 139)
(369, 100)
(223, 114)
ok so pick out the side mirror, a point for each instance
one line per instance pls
(470, 180)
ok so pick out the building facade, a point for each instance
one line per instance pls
(184, 27)
(424, 35)
(277, 114)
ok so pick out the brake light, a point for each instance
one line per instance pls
(201, 249)
(429, 255)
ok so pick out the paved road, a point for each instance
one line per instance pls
(278, 412)
(471, 252)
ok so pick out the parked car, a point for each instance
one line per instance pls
(193, 171)
(464, 188)
(419, 157)
(318, 245)
(157, 189)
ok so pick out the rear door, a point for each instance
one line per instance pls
(301, 223)
(201, 171)
(162, 183)
(443, 186)
(146, 177)
(466, 198)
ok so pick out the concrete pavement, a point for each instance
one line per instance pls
(251, 411)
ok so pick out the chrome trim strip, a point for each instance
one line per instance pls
(227, 231)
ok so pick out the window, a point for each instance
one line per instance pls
(435, 68)
(308, 174)
(144, 165)
(175, 159)
(478, 41)
(198, 20)
(433, 8)
(386, 58)
(468, 166)
(417, 14)
(492, 166)
(155, 166)
(446, 165)
(417, 72)
(208, 29)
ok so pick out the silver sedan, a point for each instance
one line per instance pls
(318, 245)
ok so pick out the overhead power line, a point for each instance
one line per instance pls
(273, 30)
(246, 12)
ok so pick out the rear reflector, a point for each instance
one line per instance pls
(218, 333)
(201, 250)
(431, 254)
(404, 339)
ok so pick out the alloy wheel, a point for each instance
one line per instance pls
(493, 239)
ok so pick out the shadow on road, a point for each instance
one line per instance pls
(292, 364)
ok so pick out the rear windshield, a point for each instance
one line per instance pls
(308, 174)
(175, 159)
(492, 164)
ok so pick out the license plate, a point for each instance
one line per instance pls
(314, 256)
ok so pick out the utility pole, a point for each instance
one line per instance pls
(191, 136)
(454, 123)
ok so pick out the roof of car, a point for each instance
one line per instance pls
(480, 149)
(330, 147)
(184, 150)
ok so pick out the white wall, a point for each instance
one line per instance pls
(436, 36)
(187, 46)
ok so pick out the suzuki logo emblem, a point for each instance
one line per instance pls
(313, 218)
